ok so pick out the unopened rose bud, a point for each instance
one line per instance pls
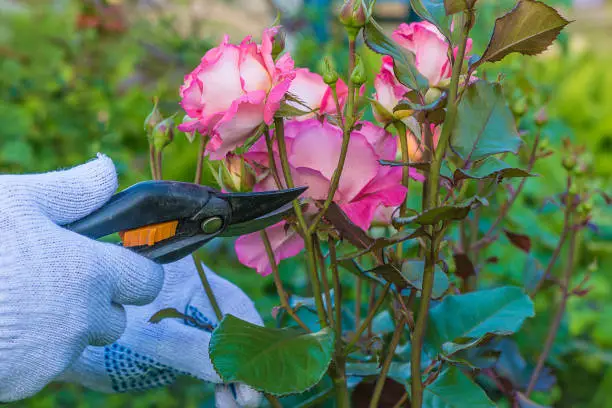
(153, 118)
(328, 71)
(569, 163)
(519, 107)
(237, 175)
(541, 117)
(358, 76)
(353, 16)
(278, 43)
(163, 134)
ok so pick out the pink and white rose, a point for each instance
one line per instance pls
(431, 59)
(234, 90)
(313, 149)
(430, 49)
(313, 92)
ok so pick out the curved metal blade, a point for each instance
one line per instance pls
(247, 227)
(250, 206)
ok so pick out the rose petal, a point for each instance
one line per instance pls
(284, 241)
(253, 72)
(317, 145)
(220, 78)
(237, 124)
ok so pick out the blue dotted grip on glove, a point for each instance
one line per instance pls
(129, 370)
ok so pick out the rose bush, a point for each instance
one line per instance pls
(450, 140)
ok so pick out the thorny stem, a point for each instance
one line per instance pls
(159, 165)
(403, 137)
(339, 372)
(433, 183)
(506, 207)
(565, 294)
(274, 402)
(337, 102)
(324, 280)
(371, 300)
(566, 230)
(358, 290)
(196, 259)
(314, 278)
(207, 287)
(271, 160)
(368, 319)
(198, 173)
(337, 292)
(402, 401)
(380, 383)
(279, 283)
(279, 128)
(349, 119)
(152, 162)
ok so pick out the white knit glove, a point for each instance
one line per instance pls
(60, 291)
(151, 355)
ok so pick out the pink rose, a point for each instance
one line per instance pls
(313, 148)
(429, 47)
(233, 91)
(310, 89)
(389, 91)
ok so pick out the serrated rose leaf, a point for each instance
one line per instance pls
(529, 29)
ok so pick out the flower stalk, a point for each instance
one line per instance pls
(432, 187)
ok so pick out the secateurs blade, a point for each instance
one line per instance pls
(167, 220)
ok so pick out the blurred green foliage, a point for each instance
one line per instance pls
(69, 92)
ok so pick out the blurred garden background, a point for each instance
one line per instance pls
(77, 77)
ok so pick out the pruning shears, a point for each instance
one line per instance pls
(167, 220)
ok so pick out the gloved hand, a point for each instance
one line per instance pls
(151, 355)
(60, 291)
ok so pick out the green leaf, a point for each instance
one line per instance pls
(383, 323)
(277, 361)
(413, 270)
(424, 166)
(410, 275)
(455, 6)
(400, 372)
(407, 105)
(353, 267)
(444, 213)
(292, 110)
(465, 319)
(485, 125)
(349, 230)
(434, 11)
(529, 29)
(491, 167)
(403, 60)
(391, 273)
(453, 389)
